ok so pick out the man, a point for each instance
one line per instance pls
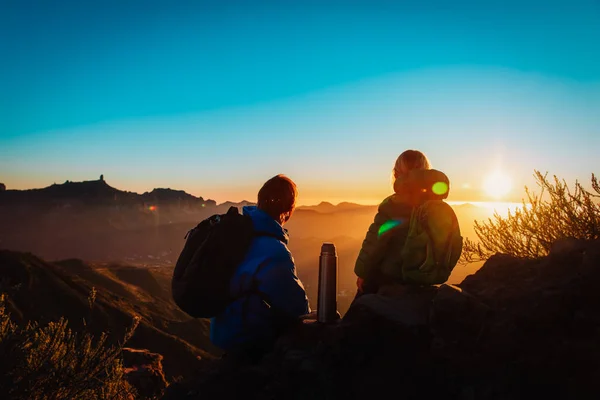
(270, 297)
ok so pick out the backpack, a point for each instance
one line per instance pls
(434, 243)
(210, 256)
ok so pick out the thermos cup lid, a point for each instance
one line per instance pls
(328, 248)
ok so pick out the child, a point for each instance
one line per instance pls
(376, 264)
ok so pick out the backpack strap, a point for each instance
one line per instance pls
(449, 240)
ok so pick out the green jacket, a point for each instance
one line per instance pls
(381, 251)
(376, 254)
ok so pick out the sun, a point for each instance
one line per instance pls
(497, 184)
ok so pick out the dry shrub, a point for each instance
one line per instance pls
(555, 213)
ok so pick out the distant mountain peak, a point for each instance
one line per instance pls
(327, 207)
(325, 204)
(166, 194)
(348, 204)
(83, 187)
(242, 203)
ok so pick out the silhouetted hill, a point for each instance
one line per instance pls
(323, 207)
(94, 221)
(516, 329)
(241, 204)
(466, 206)
(69, 194)
(42, 291)
(344, 205)
(97, 193)
(326, 207)
(177, 198)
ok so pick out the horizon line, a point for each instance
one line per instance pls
(370, 203)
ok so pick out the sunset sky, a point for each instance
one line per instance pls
(215, 97)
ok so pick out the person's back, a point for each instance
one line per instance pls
(269, 295)
(380, 259)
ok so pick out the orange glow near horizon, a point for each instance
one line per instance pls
(310, 193)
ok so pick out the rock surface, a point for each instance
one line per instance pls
(515, 329)
(144, 371)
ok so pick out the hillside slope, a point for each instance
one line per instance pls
(42, 291)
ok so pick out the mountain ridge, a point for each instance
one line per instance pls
(326, 207)
(99, 188)
(99, 192)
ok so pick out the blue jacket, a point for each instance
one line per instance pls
(276, 279)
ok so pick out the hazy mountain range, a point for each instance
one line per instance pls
(95, 222)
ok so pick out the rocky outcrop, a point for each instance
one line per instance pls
(144, 371)
(515, 329)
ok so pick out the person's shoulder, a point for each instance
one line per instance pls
(386, 203)
(395, 205)
(393, 201)
(273, 247)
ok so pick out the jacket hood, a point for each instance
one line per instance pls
(264, 223)
(419, 186)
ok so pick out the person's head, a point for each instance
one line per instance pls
(408, 161)
(277, 197)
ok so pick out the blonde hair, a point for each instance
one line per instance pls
(409, 160)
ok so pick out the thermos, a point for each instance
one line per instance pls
(326, 300)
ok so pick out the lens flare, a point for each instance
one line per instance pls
(388, 225)
(152, 208)
(440, 188)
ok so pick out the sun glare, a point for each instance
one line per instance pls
(497, 185)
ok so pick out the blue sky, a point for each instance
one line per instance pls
(216, 97)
